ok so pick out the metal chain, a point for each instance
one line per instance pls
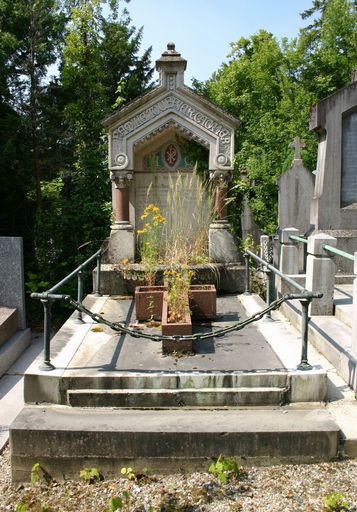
(123, 328)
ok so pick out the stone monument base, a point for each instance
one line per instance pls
(122, 279)
(121, 244)
(222, 245)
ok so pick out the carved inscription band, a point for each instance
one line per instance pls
(173, 103)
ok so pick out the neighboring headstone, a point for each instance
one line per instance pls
(12, 291)
(248, 224)
(296, 188)
(334, 204)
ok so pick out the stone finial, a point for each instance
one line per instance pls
(354, 76)
(171, 67)
(171, 49)
(297, 145)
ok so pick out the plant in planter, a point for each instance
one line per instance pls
(148, 299)
(176, 319)
(150, 241)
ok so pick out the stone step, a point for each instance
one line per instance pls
(53, 387)
(343, 312)
(343, 298)
(9, 323)
(331, 337)
(166, 398)
(176, 380)
(65, 440)
(13, 348)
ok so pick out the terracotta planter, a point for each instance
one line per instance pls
(202, 298)
(175, 329)
(148, 302)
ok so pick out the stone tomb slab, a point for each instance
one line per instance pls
(237, 351)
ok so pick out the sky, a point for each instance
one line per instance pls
(202, 30)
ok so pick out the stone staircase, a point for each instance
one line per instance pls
(331, 335)
(147, 410)
(13, 339)
(198, 390)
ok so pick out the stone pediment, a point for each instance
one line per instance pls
(171, 105)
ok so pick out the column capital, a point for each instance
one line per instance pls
(121, 179)
(220, 177)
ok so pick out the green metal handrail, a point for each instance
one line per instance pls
(298, 239)
(305, 301)
(48, 296)
(344, 254)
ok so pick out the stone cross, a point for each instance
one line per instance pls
(297, 144)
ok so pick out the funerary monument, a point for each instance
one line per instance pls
(147, 149)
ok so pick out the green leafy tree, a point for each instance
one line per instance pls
(327, 48)
(30, 35)
(99, 53)
(271, 86)
(252, 86)
(127, 75)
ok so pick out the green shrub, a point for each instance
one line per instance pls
(225, 469)
(336, 502)
(90, 475)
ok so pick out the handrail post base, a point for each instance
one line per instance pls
(46, 366)
(304, 365)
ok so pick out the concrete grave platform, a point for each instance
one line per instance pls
(114, 400)
(95, 365)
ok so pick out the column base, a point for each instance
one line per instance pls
(121, 242)
(222, 247)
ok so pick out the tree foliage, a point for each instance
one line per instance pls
(271, 85)
(54, 180)
(54, 175)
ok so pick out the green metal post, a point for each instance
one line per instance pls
(98, 276)
(247, 274)
(46, 365)
(304, 364)
(79, 319)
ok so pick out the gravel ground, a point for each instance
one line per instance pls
(279, 488)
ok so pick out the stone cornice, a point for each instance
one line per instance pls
(123, 112)
(235, 121)
(171, 105)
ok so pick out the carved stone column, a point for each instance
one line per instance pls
(122, 238)
(121, 205)
(220, 179)
(222, 245)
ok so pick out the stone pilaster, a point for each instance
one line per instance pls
(320, 273)
(122, 236)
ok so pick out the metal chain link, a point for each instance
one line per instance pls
(123, 328)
